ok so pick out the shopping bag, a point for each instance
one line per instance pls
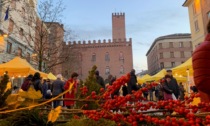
(174, 97)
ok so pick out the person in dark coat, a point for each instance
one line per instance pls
(182, 91)
(173, 84)
(132, 82)
(36, 80)
(99, 79)
(167, 91)
(57, 88)
(44, 88)
(124, 90)
(27, 83)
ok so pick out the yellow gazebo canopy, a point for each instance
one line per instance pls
(162, 74)
(182, 69)
(157, 76)
(51, 76)
(18, 67)
(142, 79)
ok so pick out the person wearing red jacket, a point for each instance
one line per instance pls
(201, 67)
(72, 82)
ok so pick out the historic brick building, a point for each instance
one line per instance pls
(168, 51)
(111, 57)
(56, 39)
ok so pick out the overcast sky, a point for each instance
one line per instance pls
(145, 21)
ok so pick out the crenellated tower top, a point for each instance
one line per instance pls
(118, 26)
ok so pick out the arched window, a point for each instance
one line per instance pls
(93, 57)
(107, 70)
(107, 57)
(121, 69)
(121, 57)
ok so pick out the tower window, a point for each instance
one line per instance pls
(93, 57)
(121, 70)
(121, 57)
(107, 58)
(107, 70)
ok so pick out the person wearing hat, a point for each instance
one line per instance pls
(173, 84)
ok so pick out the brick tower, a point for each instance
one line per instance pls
(118, 26)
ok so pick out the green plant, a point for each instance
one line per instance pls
(92, 85)
(3, 86)
(88, 122)
(32, 117)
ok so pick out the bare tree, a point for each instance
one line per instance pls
(45, 34)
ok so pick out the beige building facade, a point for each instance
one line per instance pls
(18, 27)
(199, 15)
(168, 51)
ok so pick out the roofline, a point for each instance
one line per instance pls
(186, 2)
(171, 36)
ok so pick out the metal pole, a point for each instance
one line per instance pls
(188, 80)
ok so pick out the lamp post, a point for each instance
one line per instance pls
(188, 80)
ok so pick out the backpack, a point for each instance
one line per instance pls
(26, 84)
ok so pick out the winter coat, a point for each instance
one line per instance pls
(44, 89)
(57, 87)
(167, 91)
(100, 81)
(132, 83)
(174, 87)
(37, 85)
(70, 94)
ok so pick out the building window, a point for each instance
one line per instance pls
(21, 33)
(160, 46)
(172, 54)
(194, 8)
(28, 56)
(30, 21)
(196, 25)
(13, 3)
(208, 14)
(93, 57)
(121, 70)
(121, 57)
(107, 70)
(23, 12)
(107, 57)
(11, 25)
(19, 52)
(161, 55)
(181, 44)
(9, 47)
(161, 65)
(172, 64)
(170, 44)
(182, 54)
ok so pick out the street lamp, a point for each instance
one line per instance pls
(188, 80)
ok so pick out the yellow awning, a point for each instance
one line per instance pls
(142, 79)
(182, 69)
(18, 67)
(157, 76)
(51, 76)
